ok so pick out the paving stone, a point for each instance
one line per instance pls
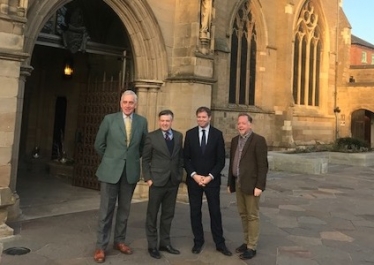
(334, 235)
(302, 223)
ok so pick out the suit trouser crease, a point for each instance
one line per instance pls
(248, 208)
(122, 192)
(213, 197)
(164, 197)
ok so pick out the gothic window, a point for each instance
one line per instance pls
(243, 58)
(307, 57)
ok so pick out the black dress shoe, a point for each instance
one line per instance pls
(196, 249)
(154, 253)
(170, 249)
(224, 251)
(248, 254)
(241, 248)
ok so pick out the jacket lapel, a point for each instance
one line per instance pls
(134, 126)
(121, 123)
(176, 141)
(161, 140)
(210, 137)
(247, 144)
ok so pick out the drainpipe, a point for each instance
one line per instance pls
(336, 108)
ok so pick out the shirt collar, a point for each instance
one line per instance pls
(245, 136)
(125, 116)
(206, 128)
(170, 133)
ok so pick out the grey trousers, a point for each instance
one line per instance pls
(110, 193)
(165, 198)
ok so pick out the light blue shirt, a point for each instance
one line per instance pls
(170, 134)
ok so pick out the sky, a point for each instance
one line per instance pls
(360, 14)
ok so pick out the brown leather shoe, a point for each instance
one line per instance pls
(123, 248)
(99, 256)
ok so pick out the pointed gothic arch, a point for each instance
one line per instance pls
(248, 38)
(310, 41)
(147, 43)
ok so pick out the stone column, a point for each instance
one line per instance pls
(147, 100)
(147, 107)
(11, 57)
(14, 210)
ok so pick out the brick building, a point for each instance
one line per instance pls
(362, 52)
(361, 80)
(284, 62)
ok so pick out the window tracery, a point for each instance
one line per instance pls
(307, 57)
(243, 57)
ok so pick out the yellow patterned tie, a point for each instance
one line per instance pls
(128, 129)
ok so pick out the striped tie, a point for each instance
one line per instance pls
(167, 136)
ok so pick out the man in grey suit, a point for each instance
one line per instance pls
(162, 165)
(119, 142)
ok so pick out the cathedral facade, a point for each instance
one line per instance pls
(285, 62)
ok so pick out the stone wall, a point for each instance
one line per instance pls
(12, 22)
(362, 75)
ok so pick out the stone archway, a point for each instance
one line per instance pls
(140, 23)
(149, 59)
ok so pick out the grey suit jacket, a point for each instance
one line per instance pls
(157, 163)
(111, 145)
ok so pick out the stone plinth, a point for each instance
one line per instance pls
(62, 170)
(6, 199)
(308, 163)
(352, 159)
(141, 192)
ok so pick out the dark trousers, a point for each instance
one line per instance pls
(195, 194)
(164, 197)
(122, 192)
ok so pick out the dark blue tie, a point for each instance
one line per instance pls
(203, 141)
(167, 136)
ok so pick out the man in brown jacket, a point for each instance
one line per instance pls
(247, 176)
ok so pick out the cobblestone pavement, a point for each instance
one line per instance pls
(305, 220)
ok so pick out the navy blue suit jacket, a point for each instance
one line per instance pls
(213, 159)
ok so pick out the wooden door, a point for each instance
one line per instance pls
(97, 98)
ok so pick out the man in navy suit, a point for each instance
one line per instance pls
(204, 159)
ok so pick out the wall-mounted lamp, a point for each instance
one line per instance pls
(68, 68)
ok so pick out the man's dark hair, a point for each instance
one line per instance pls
(204, 109)
(245, 115)
(166, 112)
